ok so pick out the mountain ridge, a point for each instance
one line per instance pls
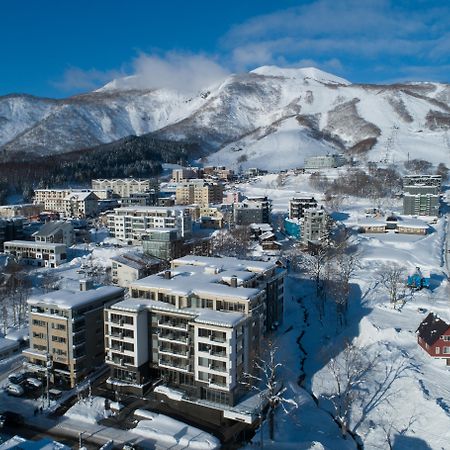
(270, 112)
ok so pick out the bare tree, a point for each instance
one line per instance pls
(266, 381)
(234, 242)
(392, 278)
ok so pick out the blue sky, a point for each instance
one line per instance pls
(59, 48)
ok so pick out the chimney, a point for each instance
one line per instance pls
(167, 275)
(234, 281)
(86, 285)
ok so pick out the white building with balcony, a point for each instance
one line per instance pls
(197, 326)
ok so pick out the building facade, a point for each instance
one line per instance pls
(199, 192)
(42, 254)
(67, 331)
(197, 326)
(252, 210)
(124, 187)
(325, 162)
(132, 266)
(421, 205)
(299, 203)
(315, 225)
(132, 223)
(56, 232)
(433, 335)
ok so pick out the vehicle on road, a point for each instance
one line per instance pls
(34, 382)
(15, 389)
(16, 378)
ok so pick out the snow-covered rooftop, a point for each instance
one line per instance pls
(66, 299)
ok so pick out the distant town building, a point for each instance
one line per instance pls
(149, 198)
(56, 232)
(40, 254)
(198, 325)
(67, 332)
(325, 162)
(124, 187)
(218, 172)
(427, 180)
(394, 223)
(163, 243)
(185, 173)
(132, 223)
(315, 225)
(26, 210)
(252, 210)
(199, 192)
(299, 203)
(231, 197)
(76, 203)
(421, 205)
(132, 266)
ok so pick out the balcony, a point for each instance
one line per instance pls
(173, 325)
(163, 350)
(174, 337)
(171, 364)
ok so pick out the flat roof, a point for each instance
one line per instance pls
(35, 244)
(204, 316)
(66, 299)
(135, 260)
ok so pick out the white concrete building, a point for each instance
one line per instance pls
(41, 254)
(198, 325)
(123, 187)
(131, 223)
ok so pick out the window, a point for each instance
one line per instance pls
(59, 339)
(446, 338)
(437, 350)
(446, 351)
(39, 323)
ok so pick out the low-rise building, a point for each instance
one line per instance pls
(132, 223)
(25, 210)
(56, 232)
(67, 332)
(132, 266)
(124, 187)
(397, 224)
(433, 335)
(325, 162)
(42, 254)
(198, 326)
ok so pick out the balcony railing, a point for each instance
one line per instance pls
(174, 365)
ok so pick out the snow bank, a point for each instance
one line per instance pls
(163, 429)
(89, 410)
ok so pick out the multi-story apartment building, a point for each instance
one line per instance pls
(252, 210)
(43, 254)
(76, 203)
(185, 173)
(422, 189)
(163, 243)
(421, 205)
(325, 162)
(66, 331)
(315, 225)
(197, 326)
(299, 203)
(124, 187)
(199, 192)
(149, 198)
(218, 172)
(56, 232)
(132, 223)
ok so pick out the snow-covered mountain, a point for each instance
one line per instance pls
(271, 117)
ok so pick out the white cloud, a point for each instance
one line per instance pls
(181, 71)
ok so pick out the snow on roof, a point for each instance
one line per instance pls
(198, 315)
(261, 226)
(50, 228)
(136, 260)
(187, 280)
(371, 222)
(432, 328)
(36, 244)
(66, 299)
(412, 223)
(226, 263)
(18, 442)
(78, 195)
(151, 208)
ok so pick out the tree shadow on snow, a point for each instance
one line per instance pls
(402, 442)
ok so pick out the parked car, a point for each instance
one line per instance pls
(34, 382)
(10, 418)
(15, 389)
(16, 378)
